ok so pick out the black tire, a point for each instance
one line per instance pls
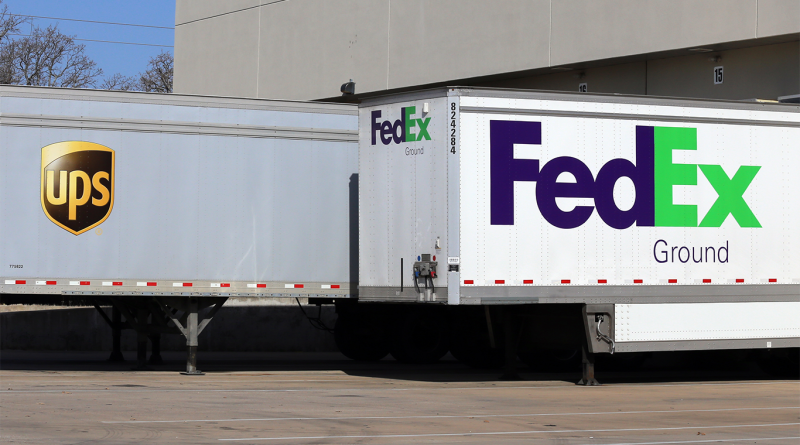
(552, 360)
(781, 363)
(470, 343)
(360, 337)
(420, 337)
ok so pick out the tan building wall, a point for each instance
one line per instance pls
(762, 72)
(305, 49)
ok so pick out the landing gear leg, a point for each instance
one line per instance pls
(191, 340)
(587, 364)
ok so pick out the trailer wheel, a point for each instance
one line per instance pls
(420, 337)
(471, 344)
(360, 337)
(781, 363)
(552, 360)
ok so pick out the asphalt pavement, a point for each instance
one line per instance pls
(78, 398)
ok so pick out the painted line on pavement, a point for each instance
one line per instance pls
(504, 433)
(269, 419)
(748, 439)
(460, 388)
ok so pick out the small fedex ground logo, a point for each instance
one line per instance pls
(408, 128)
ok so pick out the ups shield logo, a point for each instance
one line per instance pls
(77, 184)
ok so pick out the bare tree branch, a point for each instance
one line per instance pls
(120, 83)
(158, 77)
(9, 24)
(47, 57)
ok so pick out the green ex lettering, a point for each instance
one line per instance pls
(667, 174)
(410, 123)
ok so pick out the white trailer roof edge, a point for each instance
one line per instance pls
(176, 99)
(569, 96)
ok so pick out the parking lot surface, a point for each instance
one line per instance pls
(71, 398)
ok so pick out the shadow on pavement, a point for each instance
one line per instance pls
(671, 367)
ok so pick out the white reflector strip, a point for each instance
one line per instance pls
(326, 286)
(141, 283)
(41, 283)
(108, 283)
(706, 321)
(214, 284)
(74, 283)
(251, 285)
(9, 281)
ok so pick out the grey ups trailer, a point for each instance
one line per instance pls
(601, 223)
(166, 205)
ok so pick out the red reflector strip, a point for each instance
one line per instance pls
(261, 285)
(602, 281)
(117, 283)
(499, 281)
(565, 281)
(527, 281)
(706, 280)
(187, 284)
(298, 286)
(740, 280)
(469, 281)
(638, 281)
(672, 280)
(50, 283)
(773, 280)
(19, 282)
(84, 283)
(335, 286)
(151, 283)
(225, 285)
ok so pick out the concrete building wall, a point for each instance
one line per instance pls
(310, 47)
(762, 72)
(305, 49)
(216, 56)
(624, 78)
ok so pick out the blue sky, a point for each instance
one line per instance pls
(112, 58)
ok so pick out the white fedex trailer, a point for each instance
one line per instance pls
(643, 223)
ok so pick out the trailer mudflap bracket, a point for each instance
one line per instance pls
(598, 322)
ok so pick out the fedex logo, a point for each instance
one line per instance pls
(405, 129)
(653, 174)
